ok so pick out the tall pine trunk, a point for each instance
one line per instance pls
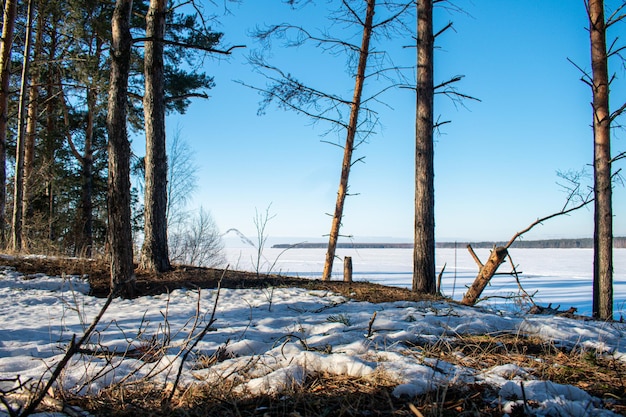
(424, 226)
(18, 189)
(349, 146)
(86, 205)
(603, 217)
(119, 231)
(8, 26)
(154, 253)
(31, 136)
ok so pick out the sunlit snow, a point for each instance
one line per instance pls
(271, 339)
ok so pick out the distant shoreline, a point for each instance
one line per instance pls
(618, 243)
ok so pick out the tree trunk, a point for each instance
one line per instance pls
(10, 11)
(603, 217)
(485, 273)
(154, 253)
(424, 227)
(347, 269)
(349, 146)
(118, 195)
(18, 189)
(86, 204)
(31, 133)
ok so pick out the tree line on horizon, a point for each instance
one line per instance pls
(583, 243)
(78, 77)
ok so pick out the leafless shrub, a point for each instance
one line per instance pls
(197, 242)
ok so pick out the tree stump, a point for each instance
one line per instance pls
(347, 269)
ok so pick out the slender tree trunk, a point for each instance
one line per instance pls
(424, 231)
(86, 204)
(349, 146)
(18, 193)
(10, 11)
(118, 195)
(31, 133)
(52, 129)
(603, 230)
(154, 253)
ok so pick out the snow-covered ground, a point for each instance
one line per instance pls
(271, 339)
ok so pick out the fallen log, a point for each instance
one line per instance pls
(485, 273)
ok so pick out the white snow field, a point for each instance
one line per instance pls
(558, 276)
(273, 338)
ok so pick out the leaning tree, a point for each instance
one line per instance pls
(365, 64)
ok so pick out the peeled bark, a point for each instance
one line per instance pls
(349, 145)
(603, 213)
(424, 280)
(154, 253)
(118, 196)
(486, 272)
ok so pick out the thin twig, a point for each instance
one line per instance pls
(72, 348)
(200, 336)
(543, 219)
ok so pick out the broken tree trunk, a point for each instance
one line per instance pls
(347, 269)
(485, 273)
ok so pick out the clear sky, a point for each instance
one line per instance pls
(496, 163)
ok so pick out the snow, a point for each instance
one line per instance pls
(558, 276)
(269, 340)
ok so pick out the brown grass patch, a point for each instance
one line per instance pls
(97, 272)
(600, 375)
(321, 395)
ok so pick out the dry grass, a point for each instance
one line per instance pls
(322, 395)
(329, 395)
(196, 277)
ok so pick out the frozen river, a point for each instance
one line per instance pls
(558, 276)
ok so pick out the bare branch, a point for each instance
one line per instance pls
(618, 112)
(543, 219)
(446, 27)
(618, 157)
(186, 96)
(614, 18)
(190, 46)
(586, 77)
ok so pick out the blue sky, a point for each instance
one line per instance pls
(496, 163)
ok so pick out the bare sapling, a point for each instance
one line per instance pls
(260, 222)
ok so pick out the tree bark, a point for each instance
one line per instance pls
(8, 27)
(18, 189)
(347, 269)
(31, 133)
(154, 253)
(484, 274)
(603, 212)
(349, 145)
(85, 245)
(424, 225)
(118, 195)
